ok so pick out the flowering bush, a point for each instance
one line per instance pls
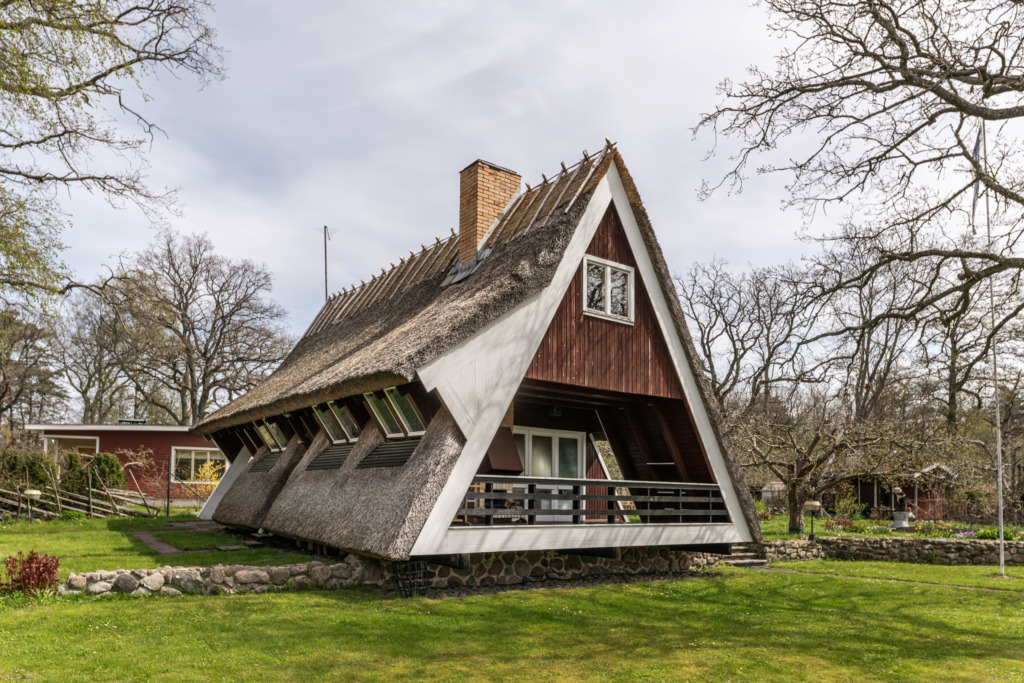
(29, 574)
(842, 524)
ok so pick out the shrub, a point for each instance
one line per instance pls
(764, 513)
(31, 574)
(72, 515)
(72, 475)
(993, 535)
(848, 508)
(842, 524)
(108, 467)
(15, 464)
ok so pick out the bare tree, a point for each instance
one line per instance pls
(886, 98)
(28, 389)
(90, 341)
(200, 328)
(70, 93)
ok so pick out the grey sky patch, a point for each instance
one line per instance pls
(360, 115)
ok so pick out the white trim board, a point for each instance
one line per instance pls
(486, 370)
(495, 539)
(478, 378)
(233, 471)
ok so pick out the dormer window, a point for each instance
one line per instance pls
(396, 413)
(607, 289)
(271, 435)
(406, 412)
(338, 422)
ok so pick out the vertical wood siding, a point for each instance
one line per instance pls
(603, 354)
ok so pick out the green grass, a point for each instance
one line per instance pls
(197, 540)
(740, 625)
(777, 528)
(92, 544)
(979, 576)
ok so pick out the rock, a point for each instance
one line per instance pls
(187, 581)
(106, 576)
(246, 576)
(124, 583)
(300, 583)
(216, 589)
(64, 590)
(140, 574)
(153, 582)
(141, 591)
(279, 575)
(320, 574)
(77, 582)
(297, 569)
(98, 587)
(169, 592)
(217, 574)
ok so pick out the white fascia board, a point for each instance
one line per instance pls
(69, 429)
(478, 378)
(496, 539)
(691, 392)
(231, 474)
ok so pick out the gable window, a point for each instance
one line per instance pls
(188, 463)
(271, 435)
(338, 422)
(607, 289)
(396, 413)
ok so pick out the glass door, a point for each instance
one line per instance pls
(551, 453)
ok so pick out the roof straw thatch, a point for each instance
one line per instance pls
(247, 502)
(376, 511)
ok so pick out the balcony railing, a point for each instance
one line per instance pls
(494, 499)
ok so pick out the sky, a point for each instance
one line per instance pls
(359, 116)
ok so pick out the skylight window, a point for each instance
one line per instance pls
(396, 413)
(607, 289)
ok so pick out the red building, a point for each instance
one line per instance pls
(148, 452)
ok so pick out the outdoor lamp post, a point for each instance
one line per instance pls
(31, 494)
(812, 506)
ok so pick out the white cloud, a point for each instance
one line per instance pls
(360, 115)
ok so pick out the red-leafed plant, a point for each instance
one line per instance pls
(29, 574)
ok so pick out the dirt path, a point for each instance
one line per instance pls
(164, 548)
(871, 578)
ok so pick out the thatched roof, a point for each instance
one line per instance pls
(247, 502)
(379, 333)
(377, 511)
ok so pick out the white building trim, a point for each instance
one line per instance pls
(233, 471)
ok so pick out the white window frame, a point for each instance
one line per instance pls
(409, 431)
(630, 286)
(380, 419)
(192, 469)
(275, 447)
(335, 412)
(556, 434)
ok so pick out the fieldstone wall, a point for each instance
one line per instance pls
(949, 551)
(484, 570)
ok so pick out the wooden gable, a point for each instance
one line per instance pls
(588, 351)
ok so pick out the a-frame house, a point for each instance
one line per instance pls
(526, 384)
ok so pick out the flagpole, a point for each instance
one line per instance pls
(995, 370)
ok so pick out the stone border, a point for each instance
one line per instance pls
(482, 572)
(944, 551)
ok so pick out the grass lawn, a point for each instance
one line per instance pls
(777, 528)
(197, 540)
(980, 576)
(91, 544)
(739, 625)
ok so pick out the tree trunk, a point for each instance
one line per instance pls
(795, 498)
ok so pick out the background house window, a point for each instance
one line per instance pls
(186, 463)
(607, 289)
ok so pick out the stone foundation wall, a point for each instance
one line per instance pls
(484, 570)
(948, 551)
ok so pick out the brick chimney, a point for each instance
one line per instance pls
(484, 191)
